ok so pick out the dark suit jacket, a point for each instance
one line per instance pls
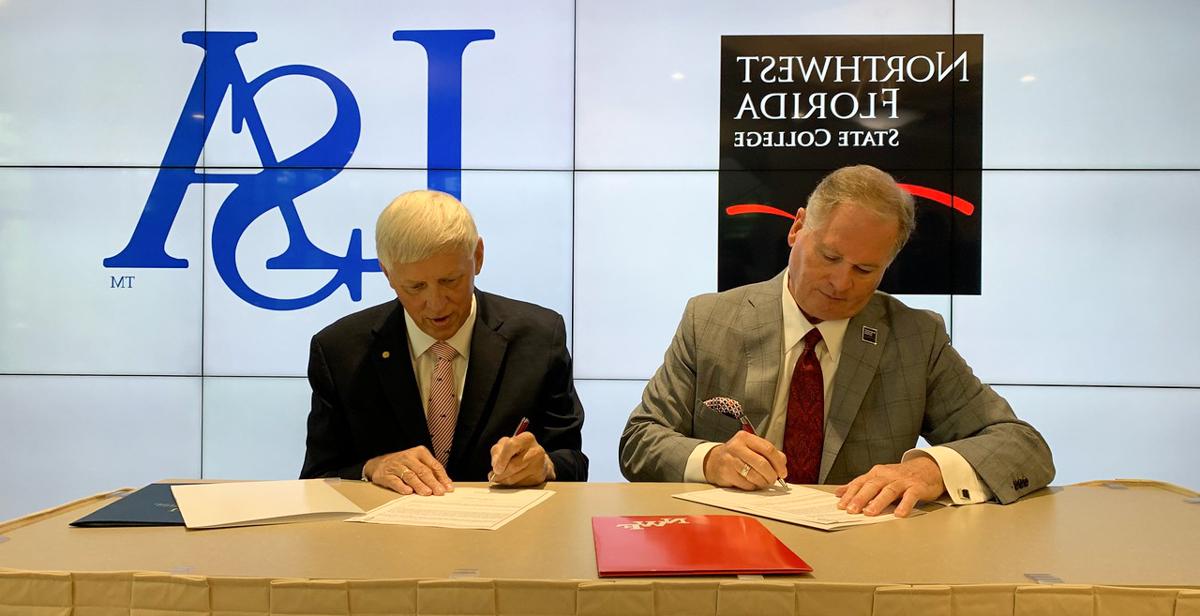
(365, 405)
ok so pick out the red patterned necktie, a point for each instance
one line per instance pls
(804, 437)
(442, 411)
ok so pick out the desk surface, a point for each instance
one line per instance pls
(1112, 534)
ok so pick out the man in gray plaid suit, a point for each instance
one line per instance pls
(887, 374)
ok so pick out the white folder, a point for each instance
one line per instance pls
(248, 503)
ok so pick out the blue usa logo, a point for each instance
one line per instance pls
(281, 181)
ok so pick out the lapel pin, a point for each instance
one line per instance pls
(870, 335)
(387, 354)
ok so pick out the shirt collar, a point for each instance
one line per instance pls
(420, 341)
(795, 325)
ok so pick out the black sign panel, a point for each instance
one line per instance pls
(794, 108)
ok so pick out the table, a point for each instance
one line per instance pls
(1118, 548)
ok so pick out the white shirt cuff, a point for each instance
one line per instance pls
(962, 482)
(694, 471)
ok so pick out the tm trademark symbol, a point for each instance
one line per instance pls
(120, 282)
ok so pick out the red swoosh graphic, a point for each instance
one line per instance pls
(947, 199)
(757, 208)
(937, 196)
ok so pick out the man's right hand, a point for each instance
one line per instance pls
(745, 461)
(409, 471)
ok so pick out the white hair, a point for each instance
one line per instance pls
(421, 223)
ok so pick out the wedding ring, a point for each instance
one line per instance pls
(406, 471)
(745, 470)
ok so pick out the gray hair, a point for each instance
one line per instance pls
(867, 187)
(421, 223)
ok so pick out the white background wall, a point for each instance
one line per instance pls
(590, 143)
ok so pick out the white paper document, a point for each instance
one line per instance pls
(478, 508)
(804, 506)
(248, 503)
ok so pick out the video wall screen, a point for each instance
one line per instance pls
(188, 193)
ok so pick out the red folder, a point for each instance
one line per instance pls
(689, 545)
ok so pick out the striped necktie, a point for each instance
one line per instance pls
(442, 410)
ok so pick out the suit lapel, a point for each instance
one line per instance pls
(390, 358)
(488, 347)
(856, 370)
(763, 349)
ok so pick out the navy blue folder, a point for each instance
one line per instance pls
(153, 505)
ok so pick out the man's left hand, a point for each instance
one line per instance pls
(520, 461)
(915, 480)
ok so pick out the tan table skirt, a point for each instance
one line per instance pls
(24, 593)
(138, 593)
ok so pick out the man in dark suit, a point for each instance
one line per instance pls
(411, 393)
(838, 379)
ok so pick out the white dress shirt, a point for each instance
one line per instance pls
(423, 361)
(962, 482)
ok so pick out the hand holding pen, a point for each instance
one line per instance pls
(745, 461)
(519, 460)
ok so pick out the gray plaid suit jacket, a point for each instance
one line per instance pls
(910, 382)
